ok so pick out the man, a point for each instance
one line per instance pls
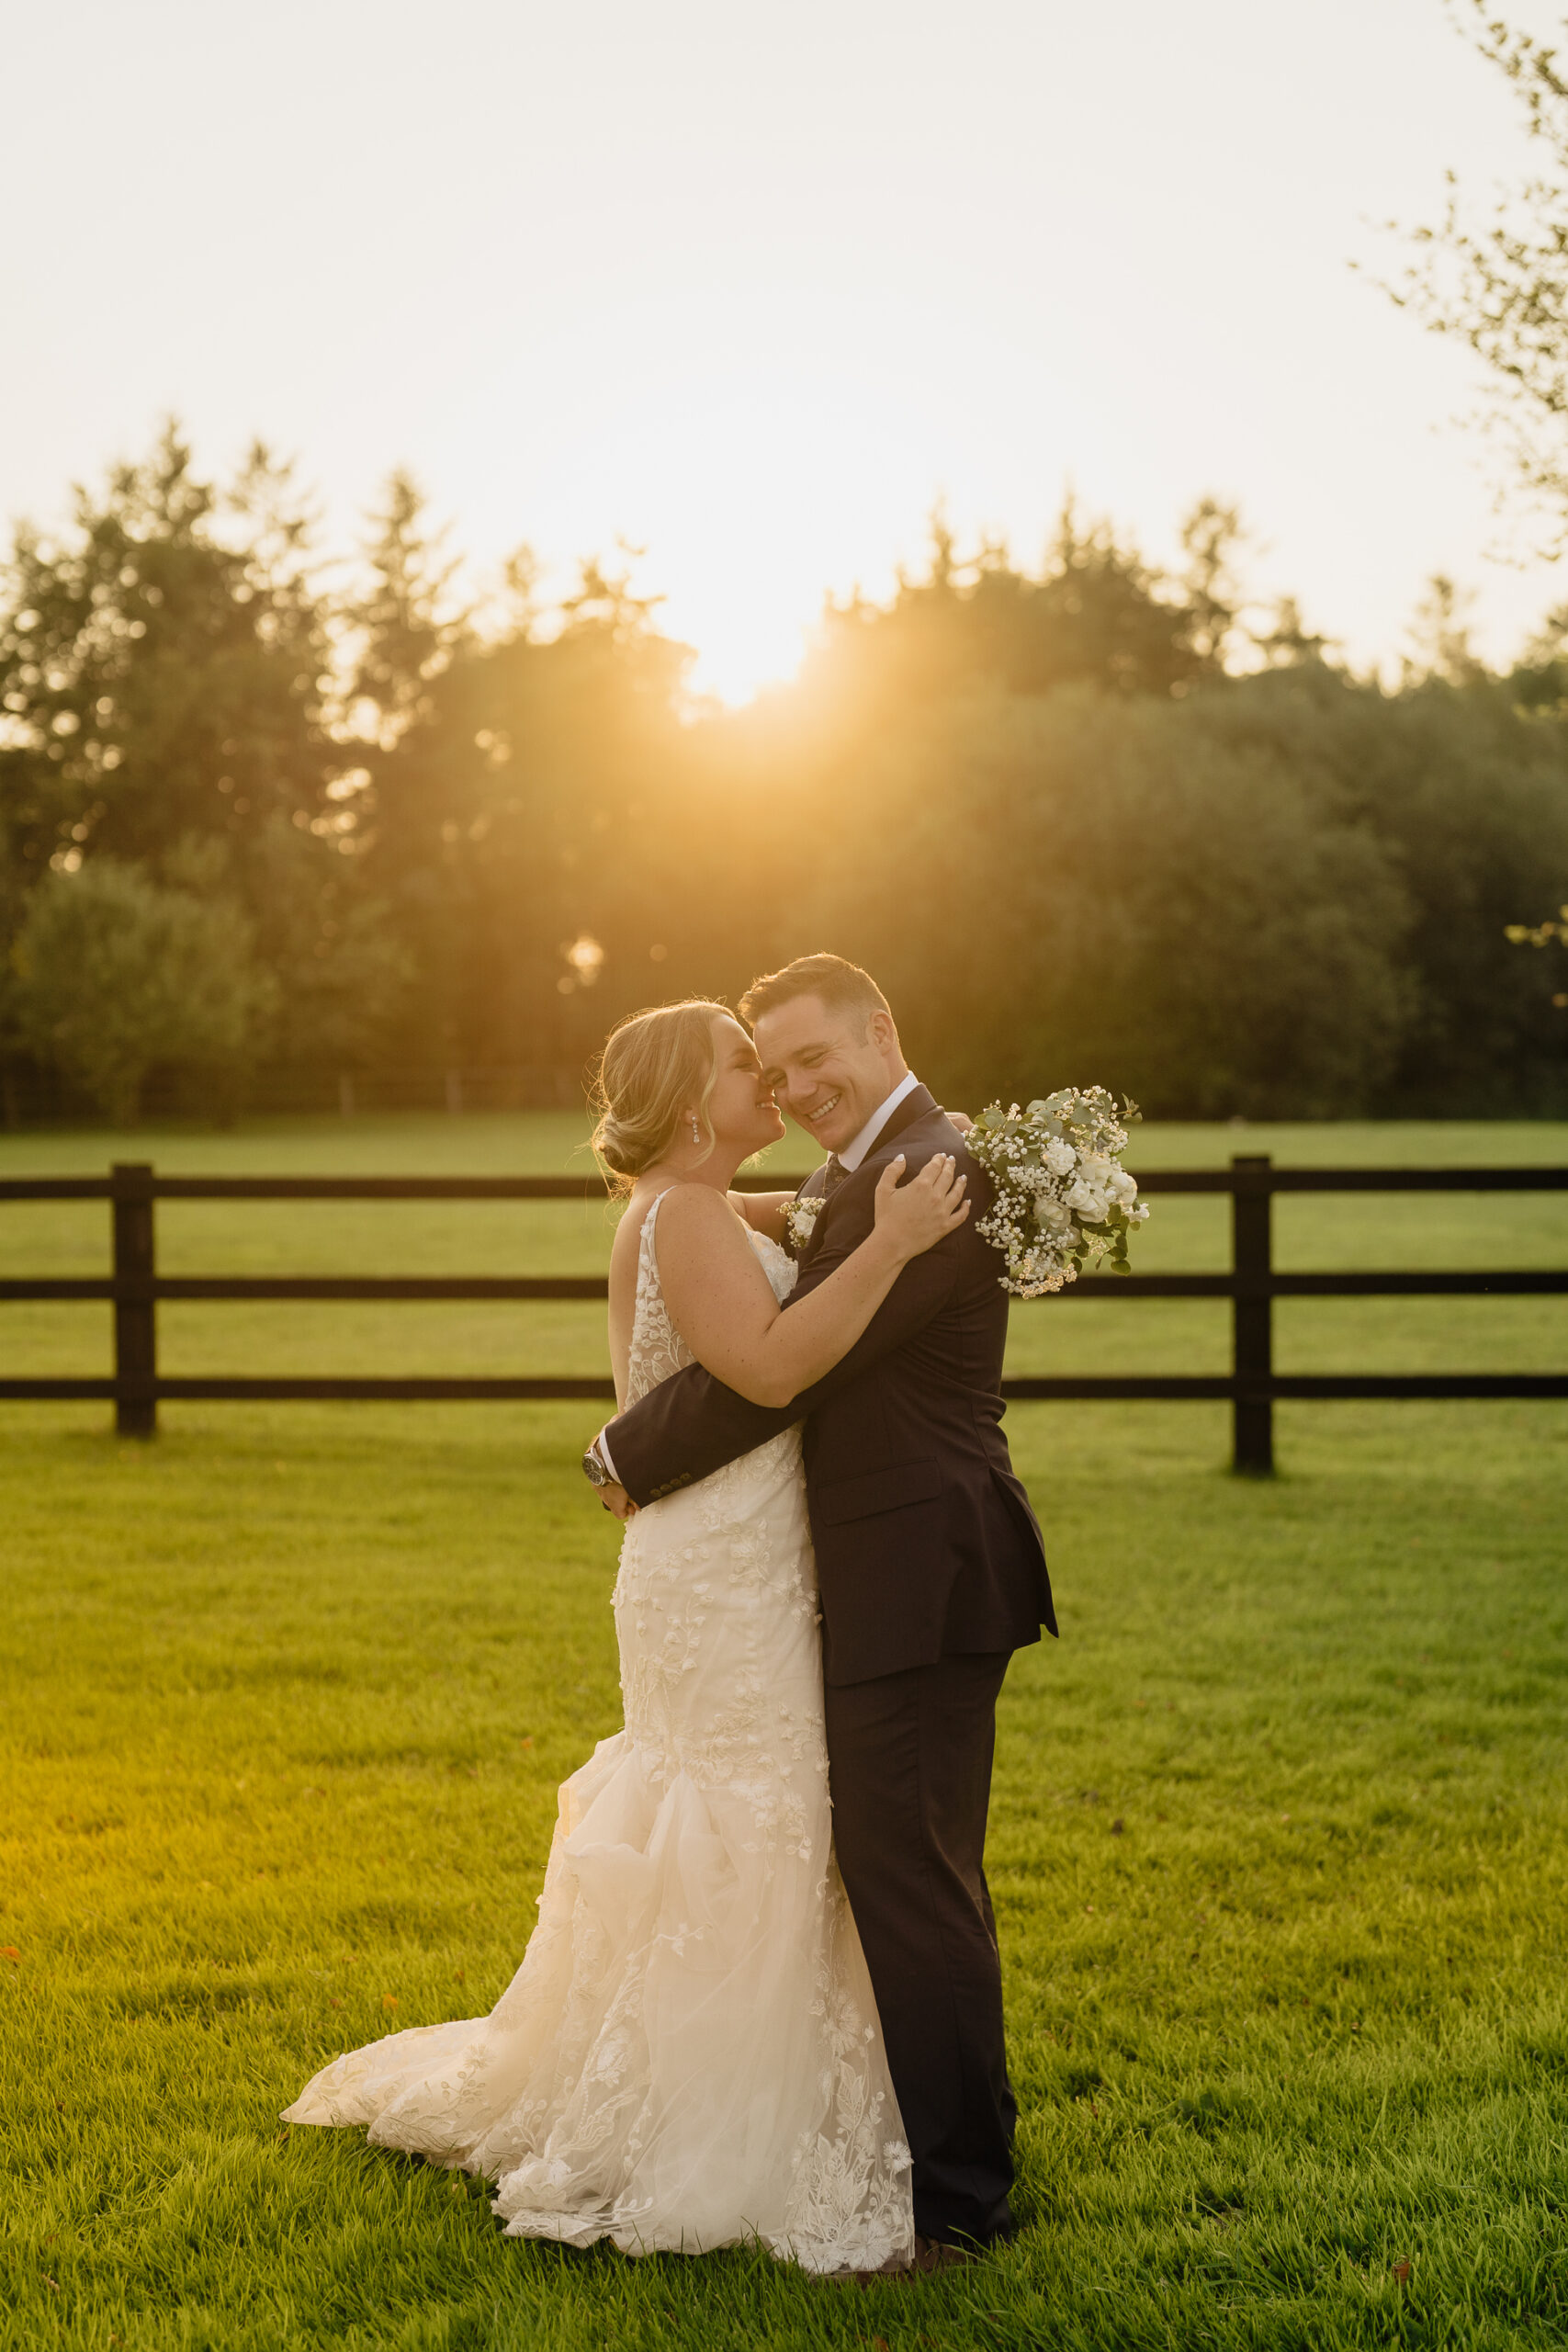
(930, 1569)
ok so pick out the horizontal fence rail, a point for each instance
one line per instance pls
(135, 1289)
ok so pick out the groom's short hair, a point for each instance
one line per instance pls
(844, 987)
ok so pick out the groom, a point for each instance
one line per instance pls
(931, 1567)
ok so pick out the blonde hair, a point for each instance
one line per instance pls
(655, 1066)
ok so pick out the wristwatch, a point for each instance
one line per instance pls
(593, 1467)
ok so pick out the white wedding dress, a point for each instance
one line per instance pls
(689, 2055)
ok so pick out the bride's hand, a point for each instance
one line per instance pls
(917, 1215)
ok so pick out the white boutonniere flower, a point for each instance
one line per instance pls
(800, 1218)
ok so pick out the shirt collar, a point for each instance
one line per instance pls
(853, 1153)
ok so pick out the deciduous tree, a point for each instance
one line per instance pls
(120, 974)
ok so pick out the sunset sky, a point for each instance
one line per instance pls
(754, 288)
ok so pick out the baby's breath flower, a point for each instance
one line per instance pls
(1062, 1199)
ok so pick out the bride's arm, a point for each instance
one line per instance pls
(763, 1211)
(721, 1302)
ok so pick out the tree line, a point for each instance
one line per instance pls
(264, 820)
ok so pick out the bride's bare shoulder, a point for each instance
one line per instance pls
(694, 1209)
(698, 1232)
(683, 1210)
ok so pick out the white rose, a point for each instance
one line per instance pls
(1087, 1199)
(1121, 1188)
(1059, 1156)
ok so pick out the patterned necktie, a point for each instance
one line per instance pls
(834, 1177)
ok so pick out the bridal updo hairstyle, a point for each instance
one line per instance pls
(655, 1068)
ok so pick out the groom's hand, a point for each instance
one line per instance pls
(600, 1471)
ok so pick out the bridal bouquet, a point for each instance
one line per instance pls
(1063, 1200)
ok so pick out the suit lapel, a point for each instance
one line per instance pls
(918, 1103)
(813, 1189)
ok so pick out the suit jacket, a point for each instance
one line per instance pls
(926, 1545)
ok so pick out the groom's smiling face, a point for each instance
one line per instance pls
(825, 1071)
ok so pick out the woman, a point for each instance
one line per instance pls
(689, 2055)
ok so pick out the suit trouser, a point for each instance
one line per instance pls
(909, 1757)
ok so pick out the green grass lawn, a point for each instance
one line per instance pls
(1277, 1846)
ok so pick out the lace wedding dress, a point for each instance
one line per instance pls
(689, 2055)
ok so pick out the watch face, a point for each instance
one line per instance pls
(594, 1469)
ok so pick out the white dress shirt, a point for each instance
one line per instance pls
(850, 1160)
(853, 1153)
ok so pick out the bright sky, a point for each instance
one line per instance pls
(754, 286)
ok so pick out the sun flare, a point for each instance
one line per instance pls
(741, 645)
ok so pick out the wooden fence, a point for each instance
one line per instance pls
(1251, 1283)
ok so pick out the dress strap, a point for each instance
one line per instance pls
(650, 1290)
(656, 1348)
(645, 1237)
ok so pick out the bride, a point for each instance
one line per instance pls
(690, 2055)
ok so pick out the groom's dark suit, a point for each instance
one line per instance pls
(931, 1571)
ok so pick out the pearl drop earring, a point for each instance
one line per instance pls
(697, 1134)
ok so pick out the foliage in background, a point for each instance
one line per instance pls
(166, 670)
(1091, 822)
(118, 973)
(1543, 935)
(1129, 891)
(1497, 280)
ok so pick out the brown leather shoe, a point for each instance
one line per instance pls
(933, 2254)
(895, 2268)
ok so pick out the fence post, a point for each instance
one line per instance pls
(1252, 1316)
(135, 1312)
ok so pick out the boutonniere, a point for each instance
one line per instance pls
(799, 1217)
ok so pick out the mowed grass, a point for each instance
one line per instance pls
(1278, 1841)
